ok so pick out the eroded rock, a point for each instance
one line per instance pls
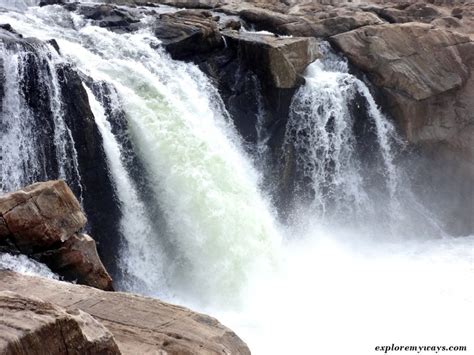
(280, 61)
(77, 260)
(423, 72)
(43, 221)
(188, 32)
(140, 325)
(41, 215)
(29, 325)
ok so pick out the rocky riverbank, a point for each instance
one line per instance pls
(44, 221)
(39, 315)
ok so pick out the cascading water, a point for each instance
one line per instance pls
(201, 178)
(346, 152)
(24, 265)
(29, 120)
(197, 229)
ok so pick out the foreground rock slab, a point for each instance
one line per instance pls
(29, 325)
(139, 325)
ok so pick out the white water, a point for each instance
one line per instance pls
(204, 182)
(142, 248)
(24, 265)
(24, 159)
(326, 289)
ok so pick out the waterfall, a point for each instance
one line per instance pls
(198, 173)
(141, 249)
(346, 154)
(195, 227)
(36, 143)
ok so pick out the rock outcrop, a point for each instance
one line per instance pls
(188, 32)
(43, 221)
(41, 215)
(109, 16)
(140, 325)
(29, 325)
(279, 61)
(426, 75)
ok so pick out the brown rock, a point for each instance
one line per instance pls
(280, 61)
(29, 325)
(188, 32)
(322, 23)
(43, 220)
(4, 232)
(140, 325)
(41, 215)
(77, 260)
(424, 72)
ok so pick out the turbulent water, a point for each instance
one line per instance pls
(21, 263)
(346, 151)
(341, 278)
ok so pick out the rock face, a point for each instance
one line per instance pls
(188, 32)
(29, 325)
(41, 215)
(322, 23)
(43, 220)
(279, 61)
(108, 16)
(430, 94)
(77, 259)
(139, 325)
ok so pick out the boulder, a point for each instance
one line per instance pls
(109, 16)
(77, 260)
(140, 325)
(29, 325)
(188, 32)
(41, 215)
(280, 61)
(43, 220)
